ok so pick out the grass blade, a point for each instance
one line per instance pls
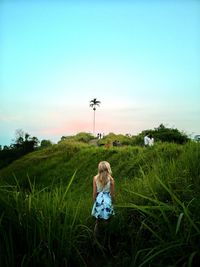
(179, 222)
(69, 184)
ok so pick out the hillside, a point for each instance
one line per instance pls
(59, 162)
(46, 197)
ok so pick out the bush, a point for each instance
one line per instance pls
(80, 137)
(120, 139)
(163, 134)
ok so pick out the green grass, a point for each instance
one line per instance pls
(46, 201)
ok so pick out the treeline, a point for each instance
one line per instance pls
(24, 143)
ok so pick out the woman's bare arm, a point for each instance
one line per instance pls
(94, 189)
(112, 189)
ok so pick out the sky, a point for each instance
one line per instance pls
(141, 59)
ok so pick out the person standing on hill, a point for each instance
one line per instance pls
(151, 140)
(103, 194)
(146, 140)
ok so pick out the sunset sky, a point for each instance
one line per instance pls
(141, 59)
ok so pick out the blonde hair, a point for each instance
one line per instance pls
(104, 173)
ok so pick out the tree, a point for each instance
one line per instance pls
(45, 143)
(172, 135)
(35, 141)
(163, 134)
(23, 144)
(93, 103)
(27, 136)
(19, 136)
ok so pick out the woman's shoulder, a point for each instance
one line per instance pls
(112, 180)
(95, 178)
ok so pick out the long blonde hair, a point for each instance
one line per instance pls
(104, 173)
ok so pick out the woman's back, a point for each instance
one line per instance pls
(101, 188)
(103, 192)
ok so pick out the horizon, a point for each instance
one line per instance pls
(192, 137)
(141, 59)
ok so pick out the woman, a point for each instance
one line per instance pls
(103, 193)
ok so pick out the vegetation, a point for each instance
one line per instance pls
(160, 134)
(46, 201)
(120, 138)
(23, 144)
(45, 143)
(163, 134)
(80, 137)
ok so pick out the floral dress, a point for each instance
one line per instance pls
(103, 208)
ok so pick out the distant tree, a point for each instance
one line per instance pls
(45, 143)
(172, 135)
(29, 145)
(27, 136)
(35, 141)
(19, 136)
(23, 144)
(163, 134)
(94, 103)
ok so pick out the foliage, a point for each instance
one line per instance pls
(22, 145)
(80, 137)
(94, 102)
(47, 222)
(45, 143)
(162, 134)
(111, 138)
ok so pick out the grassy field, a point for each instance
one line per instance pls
(46, 201)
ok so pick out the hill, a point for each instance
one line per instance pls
(46, 200)
(59, 162)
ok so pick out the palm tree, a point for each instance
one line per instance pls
(93, 103)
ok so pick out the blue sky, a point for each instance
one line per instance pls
(141, 59)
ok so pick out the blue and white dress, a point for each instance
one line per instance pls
(103, 208)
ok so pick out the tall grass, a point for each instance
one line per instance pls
(157, 220)
(166, 198)
(41, 226)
